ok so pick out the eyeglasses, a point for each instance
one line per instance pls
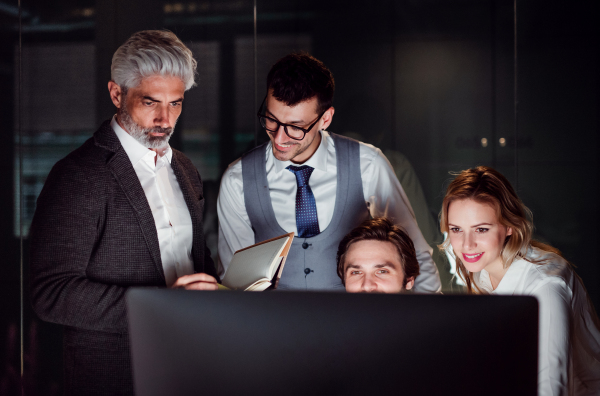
(293, 131)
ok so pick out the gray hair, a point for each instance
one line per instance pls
(149, 53)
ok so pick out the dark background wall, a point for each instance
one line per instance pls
(429, 79)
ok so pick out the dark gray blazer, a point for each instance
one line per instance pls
(92, 237)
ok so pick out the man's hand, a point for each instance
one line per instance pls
(196, 282)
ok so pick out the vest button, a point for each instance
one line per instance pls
(307, 271)
(305, 246)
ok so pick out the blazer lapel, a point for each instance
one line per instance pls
(186, 188)
(192, 202)
(123, 172)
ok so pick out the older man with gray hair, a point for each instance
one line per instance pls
(122, 210)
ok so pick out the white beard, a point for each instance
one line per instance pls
(141, 134)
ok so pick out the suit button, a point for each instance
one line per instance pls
(305, 245)
(307, 271)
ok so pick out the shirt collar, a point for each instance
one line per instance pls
(134, 149)
(509, 281)
(317, 161)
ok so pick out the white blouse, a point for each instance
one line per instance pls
(569, 339)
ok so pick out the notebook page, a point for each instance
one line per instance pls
(248, 266)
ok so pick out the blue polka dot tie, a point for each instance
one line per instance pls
(307, 222)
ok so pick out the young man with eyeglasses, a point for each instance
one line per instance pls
(311, 182)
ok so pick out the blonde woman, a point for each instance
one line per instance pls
(490, 236)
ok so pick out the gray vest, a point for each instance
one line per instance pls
(311, 263)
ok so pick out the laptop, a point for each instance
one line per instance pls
(295, 343)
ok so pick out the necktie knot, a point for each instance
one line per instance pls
(302, 173)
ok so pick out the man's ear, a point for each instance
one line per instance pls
(116, 94)
(327, 118)
(410, 283)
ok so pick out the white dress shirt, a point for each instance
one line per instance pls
(569, 338)
(383, 195)
(171, 214)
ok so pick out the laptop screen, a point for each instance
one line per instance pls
(233, 343)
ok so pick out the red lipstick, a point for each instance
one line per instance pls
(474, 257)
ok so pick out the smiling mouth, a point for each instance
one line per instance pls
(283, 147)
(472, 258)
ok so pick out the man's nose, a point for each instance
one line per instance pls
(280, 136)
(369, 284)
(162, 117)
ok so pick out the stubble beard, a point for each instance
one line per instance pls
(299, 150)
(143, 135)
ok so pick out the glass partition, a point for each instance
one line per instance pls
(439, 86)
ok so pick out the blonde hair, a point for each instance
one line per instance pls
(488, 186)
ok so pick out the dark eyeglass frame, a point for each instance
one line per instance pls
(261, 115)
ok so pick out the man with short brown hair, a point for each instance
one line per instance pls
(306, 180)
(377, 256)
